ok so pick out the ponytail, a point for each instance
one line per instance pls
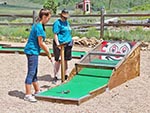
(43, 12)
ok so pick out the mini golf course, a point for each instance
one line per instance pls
(108, 65)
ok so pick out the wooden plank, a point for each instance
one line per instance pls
(83, 25)
(91, 15)
(126, 24)
(97, 47)
(58, 100)
(63, 66)
(73, 73)
(89, 65)
(98, 91)
(128, 69)
(125, 15)
(17, 24)
(11, 52)
(5, 45)
(103, 53)
(85, 58)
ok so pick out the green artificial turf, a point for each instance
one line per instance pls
(87, 80)
(74, 53)
(104, 62)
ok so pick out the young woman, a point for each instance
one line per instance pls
(32, 50)
(62, 34)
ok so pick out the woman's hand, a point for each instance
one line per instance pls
(50, 57)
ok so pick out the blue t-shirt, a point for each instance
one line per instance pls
(32, 47)
(63, 31)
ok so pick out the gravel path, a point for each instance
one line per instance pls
(130, 97)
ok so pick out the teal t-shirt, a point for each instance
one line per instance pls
(32, 47)
(63, 31)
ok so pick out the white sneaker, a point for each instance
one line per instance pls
(36, 93)
(54, 82)
(30, 98)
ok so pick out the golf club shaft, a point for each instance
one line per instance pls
(55, 71)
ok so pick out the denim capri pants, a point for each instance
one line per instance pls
(32, 69)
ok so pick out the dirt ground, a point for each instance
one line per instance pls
(130, 97)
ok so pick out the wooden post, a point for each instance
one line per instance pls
(102, 23)
(62, 61)
(34, 17)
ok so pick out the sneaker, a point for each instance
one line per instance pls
(55, 79)
(37, 92)
(30, 98)
(54, 82)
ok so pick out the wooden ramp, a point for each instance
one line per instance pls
(103, 68)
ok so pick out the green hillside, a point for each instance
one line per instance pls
(112, 6)
(19, 6)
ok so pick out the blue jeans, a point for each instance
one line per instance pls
(32, 69)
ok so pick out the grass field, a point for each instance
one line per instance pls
(18, 7)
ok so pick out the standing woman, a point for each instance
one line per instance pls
(32, 50)
(62, 34)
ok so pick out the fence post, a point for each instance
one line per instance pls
(102, 23)
(34, 16)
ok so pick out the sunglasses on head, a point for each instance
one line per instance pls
(64, 11)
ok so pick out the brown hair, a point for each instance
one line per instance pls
(43, 12)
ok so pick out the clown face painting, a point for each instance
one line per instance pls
(117, 48)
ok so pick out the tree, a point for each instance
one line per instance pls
(66, 2)
(110, 2)
(51, 5)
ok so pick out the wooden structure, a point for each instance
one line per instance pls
(85, 6)
(98, 71)
(62, 61)
(128, 66)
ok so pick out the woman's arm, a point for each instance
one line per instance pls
(56, 39)
(43, 46)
